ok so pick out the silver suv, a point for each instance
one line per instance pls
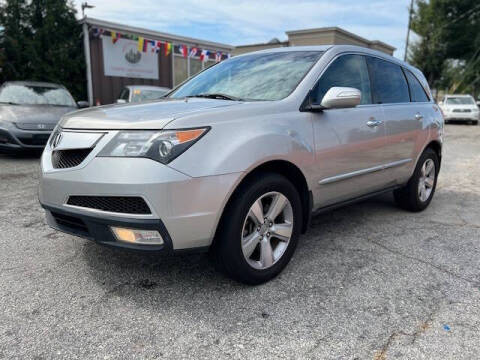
(238, 158)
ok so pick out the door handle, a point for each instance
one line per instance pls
(418, 116)
(374, 123)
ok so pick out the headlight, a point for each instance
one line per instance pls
(162, 146)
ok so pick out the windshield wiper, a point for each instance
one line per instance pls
(217, 96)
(8, 103)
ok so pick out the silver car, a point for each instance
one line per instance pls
(29, 111)
(238, 158)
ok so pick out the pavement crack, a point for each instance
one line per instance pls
(425, 262)
(420, 329)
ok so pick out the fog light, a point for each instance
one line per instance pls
(135, 236)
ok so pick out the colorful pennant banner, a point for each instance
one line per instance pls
(156, 45)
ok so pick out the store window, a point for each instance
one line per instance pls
(195, 66)
(180, 66)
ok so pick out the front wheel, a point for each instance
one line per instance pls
(259, 229)
(419, 191)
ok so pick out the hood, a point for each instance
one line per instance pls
(151, 115)
(30, 117)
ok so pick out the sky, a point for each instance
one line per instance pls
(241, 22)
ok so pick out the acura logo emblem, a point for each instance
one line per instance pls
(56, 139)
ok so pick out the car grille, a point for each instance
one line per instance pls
(115, 204)
(63, 159)
(35, 126)
(462, 110)
(35, 140)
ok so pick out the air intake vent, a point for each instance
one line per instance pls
(115, 204)
(63, 159)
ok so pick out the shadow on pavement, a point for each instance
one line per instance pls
(124, 273)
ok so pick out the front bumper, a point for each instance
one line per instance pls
(14, 139)
(184, 209)
(97, 228)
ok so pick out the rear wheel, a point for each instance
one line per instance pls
(419, 191)
(259, 230)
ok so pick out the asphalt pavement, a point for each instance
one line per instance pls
(369, 281)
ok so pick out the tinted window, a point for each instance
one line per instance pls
(346, 71)
(124, 94)
(417, 93)
(389, 84)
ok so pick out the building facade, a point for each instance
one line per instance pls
(117, 55)
(318, 36)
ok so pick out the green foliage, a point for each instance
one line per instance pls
(449, 48)
(41, 40)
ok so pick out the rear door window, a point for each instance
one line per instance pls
(389, 83)
(417, 92)
(124, 94)
(346, 71)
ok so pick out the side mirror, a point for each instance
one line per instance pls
(121, 101)
(83, 104)
(341, 97)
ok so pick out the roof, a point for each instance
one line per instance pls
(458, 95)
(107, 25)
(292, 48)
(35, 83)
(336, 48)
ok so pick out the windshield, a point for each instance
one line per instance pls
(143, 95)
(35, 95)
(464, 100)
(271, 76)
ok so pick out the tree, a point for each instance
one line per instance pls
(14, 39)
(448, 51)
(44, 42)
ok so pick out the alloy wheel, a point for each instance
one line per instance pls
(267, 230)
(427, 180)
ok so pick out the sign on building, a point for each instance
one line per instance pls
(123, 59)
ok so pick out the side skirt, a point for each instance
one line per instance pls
(354, 200)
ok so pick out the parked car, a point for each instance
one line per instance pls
(29, 111)
(238, 158)
(460, 108)
(138, 93)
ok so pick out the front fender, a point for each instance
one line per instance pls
(241, 146)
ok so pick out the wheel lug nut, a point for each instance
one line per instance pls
(268, 234)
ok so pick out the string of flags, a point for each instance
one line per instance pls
(155, 46)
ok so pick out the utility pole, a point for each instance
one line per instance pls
(86, 5)
(410, 13)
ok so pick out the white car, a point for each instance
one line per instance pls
(139, 93)
(460, 108)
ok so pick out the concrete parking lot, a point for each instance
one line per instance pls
(368, 281)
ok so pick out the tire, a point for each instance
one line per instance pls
(238, 225)
(410, 197)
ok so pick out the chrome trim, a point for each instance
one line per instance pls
(111, 213)
(352, 174)
(100, 212)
